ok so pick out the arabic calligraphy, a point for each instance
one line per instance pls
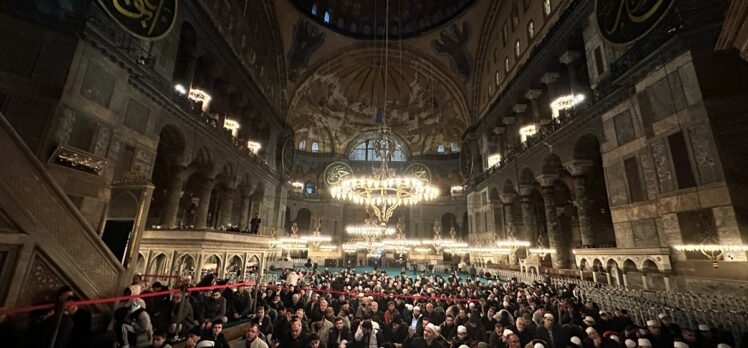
(419, 171)
(624, 21)
(336, 172)
(70, 158)
(146, 19)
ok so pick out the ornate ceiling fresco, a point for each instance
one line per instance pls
(339, 100)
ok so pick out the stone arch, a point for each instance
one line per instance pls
(158, 265)
(184, 64)
(234, 267)
(526, 177)
(629, 266)
(508, 187)
(123, 206)
(448, 220)
(649, 265)
(185, 265)
(610, 264)
(597, 265)
(140, 264)
(211, 263)
(494, 194)
(586, 147)
(551, 164)
(303, 219)
(583, 264)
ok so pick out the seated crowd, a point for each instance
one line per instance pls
(349, 309)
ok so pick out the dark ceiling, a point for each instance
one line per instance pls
(365, 19)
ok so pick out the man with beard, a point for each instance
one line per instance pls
(338, 334)
(321, 326)
(448, 328)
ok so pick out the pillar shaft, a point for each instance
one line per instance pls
(530, 219)
(201, 214)
(582, 200)
(173, 196)
(554, 231)
(244, 213)
(645, 284)
(227, 208)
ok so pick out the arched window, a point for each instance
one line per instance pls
(490, 89)
(531, 30)
(315, 146)
(506, 65)
(546, 7)
(517, 49)
(314, 9)
(365, 152)
(309, 188)
(498, 78)
(454, 147)
(440, 148)
(328, 16)
(495, 55)
(302, 145)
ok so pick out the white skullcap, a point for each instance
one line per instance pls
(723, 345)
(433, 328)
(652, 323)
(507, 332)
(615, 338)
(590, 330)
(630, 343)
(417, 307)
(662, 315)
(575, 340)
(589, 320)
(206, 343)
(548, 315)
(643, 342)
(464, 346)
(602, 312)
(679, 344)
(409, 306)
(462, 328)
(703, 327)
(538, 345)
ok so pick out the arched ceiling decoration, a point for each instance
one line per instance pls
(366, 19)
(341, 98)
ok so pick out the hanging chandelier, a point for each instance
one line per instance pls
(383, 191)
(371, 234)
(448, 243)
(316, 239)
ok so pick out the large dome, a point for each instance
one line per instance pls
(366, 19)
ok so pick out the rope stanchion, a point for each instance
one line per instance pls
(26, 309)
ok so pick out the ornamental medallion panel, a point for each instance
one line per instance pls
(624, 21)
(337, 172)
(144, 19)
(419, 170)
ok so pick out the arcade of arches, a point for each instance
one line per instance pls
(191, 152)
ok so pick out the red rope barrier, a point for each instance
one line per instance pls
(122, 298)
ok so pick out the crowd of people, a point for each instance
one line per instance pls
(317, 308)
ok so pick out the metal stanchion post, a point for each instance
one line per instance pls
(59, 313)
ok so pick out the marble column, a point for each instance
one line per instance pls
(173, 196)
(529, 218)
(533, 95)
(201, 214)
(609, 279)
(625, 280)
(227, 207)
(554, 230)
(244, 210)
(569, 58)
(645, 283)
(667, 283)
(549, 79)
(507, 200)
(580, 169)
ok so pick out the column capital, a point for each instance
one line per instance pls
(546, 180)
(579, 167)
(533, 94)
(549, 78)
(519, 108)
(569, 57)
(525, 190)
(207, 184)
(507, 198)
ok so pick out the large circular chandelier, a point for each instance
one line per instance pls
(383, 191)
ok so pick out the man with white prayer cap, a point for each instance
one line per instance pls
(669, 325)
(644, 343)
(594, 339)
(679, 344)
(658, 337)
(629, 343)
(575, 341)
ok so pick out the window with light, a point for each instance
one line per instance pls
(315, 147)
(302, 145)
(365, 152)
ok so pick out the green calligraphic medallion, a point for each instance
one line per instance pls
(288, 157)
(466, 160)
(144, 19)
(624, 21)
(337, 172)
(419, 170)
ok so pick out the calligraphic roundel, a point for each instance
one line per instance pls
(288, 157)
(624, 21)
(466, 160)
(337, 172)
(419, 170)
(144, 19)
